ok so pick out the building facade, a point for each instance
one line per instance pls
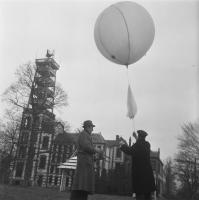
(158, 172)
(113, 152)
(37, 132)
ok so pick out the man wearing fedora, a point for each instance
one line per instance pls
(143, 183)
(84, 182)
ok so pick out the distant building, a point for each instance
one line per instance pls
(114, 157)
(113, 152)
(157, 166)
(53, 151)
(118, 158)
(98, 142)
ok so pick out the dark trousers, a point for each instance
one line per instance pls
(78, 195)
(143, 196)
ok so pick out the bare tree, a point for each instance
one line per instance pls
(9, 132)
(187, 165)
(18, 93)
(78, 130)
(8, 142)
(189, 140)
(66, 125)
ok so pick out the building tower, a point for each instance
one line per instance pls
(37, 127)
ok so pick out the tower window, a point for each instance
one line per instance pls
(42, 163)
(27, 122)
(45, 142)
(22, 151)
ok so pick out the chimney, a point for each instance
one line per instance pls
(117, 137)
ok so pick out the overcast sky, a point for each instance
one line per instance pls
(164, 82)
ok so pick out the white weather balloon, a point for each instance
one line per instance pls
(124, 32)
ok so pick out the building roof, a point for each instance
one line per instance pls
(98, 138)
(64, 139)
(115, 142)
(112, 143)
(71, 138)
(74, 136)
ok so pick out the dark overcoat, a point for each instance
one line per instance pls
(84, 178)
(142, 174)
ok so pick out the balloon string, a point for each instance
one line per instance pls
(127, 74)
(133, 120)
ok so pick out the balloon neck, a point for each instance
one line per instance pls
(127, 66)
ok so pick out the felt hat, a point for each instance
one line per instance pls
(142, 133)
(88, 123)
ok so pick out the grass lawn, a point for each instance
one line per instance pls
(8, 192)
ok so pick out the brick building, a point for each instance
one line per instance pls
(37, 131)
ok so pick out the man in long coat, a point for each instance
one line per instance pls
(84, 182)
(143, 183)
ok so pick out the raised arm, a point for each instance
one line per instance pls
(126, 149)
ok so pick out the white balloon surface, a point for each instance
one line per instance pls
(124, 32)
